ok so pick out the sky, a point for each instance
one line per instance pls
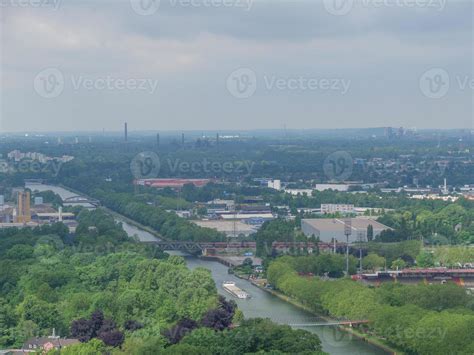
(89, 65)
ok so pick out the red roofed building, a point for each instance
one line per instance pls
(172, 183)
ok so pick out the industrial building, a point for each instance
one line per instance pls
(274, 184)
(229, 228)
(171, 183)
(23, 212)
(329, 229)
(24, 215)
(337, 208)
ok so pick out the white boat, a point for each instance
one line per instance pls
(230, 287)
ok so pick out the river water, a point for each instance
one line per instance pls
(261, 304)
(264, 305)
(131, 230)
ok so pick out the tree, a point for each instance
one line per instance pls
(398, 264)
(20, 252)
(255, 336)
(93, 347)
(176, 333)
(373, 262)
(42, 313)
(132, 325)
(82, 329)
(425, 259)
(370, 233)
(113, 338)
(221, 317)
(97, 327)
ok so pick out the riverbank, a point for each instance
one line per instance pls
(120, 216)
(363, 337)
(134, 223)
(264, 305)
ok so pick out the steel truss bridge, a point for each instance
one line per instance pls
(200, 246)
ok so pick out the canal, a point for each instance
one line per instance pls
(261, 304)
(265, 305)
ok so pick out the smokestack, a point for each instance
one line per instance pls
(157, 139)
(182, 139)
(126, 132)
(217, 138)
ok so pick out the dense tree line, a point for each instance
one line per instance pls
(168, 224)
(453, 224)
(422, 319)
(47, 282)
(121, 297)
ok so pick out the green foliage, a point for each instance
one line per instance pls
(93, 347)
(453, 221)
(453, 256)
(253, 336)
(432, 297)
(407, 250)
(373, 262)
(332, 265)
(421, 319)
(168, 224)
(398, 264)
(276, 230)
(46, 284)
(425, 259)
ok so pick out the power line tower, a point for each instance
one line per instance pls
(348, 233)
(360, 240)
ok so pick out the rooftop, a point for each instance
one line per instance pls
(335, 224)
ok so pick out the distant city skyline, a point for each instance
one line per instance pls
(236, 65)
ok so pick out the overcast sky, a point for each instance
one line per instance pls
(235, 64)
